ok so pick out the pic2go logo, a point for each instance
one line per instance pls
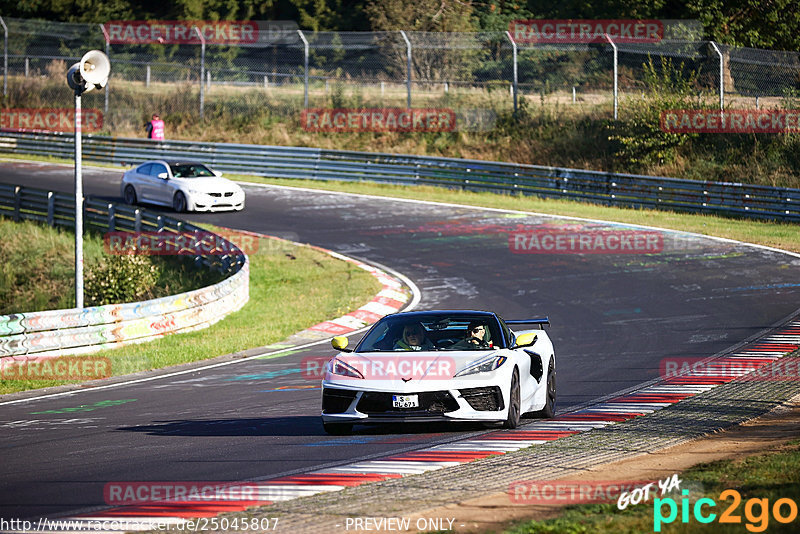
(756, 511)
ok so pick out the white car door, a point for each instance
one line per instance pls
(161, 188)
(142, 182)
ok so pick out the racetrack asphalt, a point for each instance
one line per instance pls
(615, 318)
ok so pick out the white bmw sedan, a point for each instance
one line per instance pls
(441, 366)
(185, 186)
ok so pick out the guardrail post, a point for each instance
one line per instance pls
(137, 221)
(159, 224)
(614, 46)
(17, 195)
(51, 208)
(112, 217)
(305, 68)
(408, 69)
(514, 50)
(5, 57)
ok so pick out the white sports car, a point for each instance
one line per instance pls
(440, 366)
(185, 186)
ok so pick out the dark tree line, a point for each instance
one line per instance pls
(757, 23)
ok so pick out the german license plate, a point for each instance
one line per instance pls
(405, 401)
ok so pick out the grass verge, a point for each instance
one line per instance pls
(291, 288)
(771, 476)
(38, 271)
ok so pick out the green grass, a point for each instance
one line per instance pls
(772, 475)
(291, 288)
(38, 269)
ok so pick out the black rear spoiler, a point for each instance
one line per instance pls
(541, 322)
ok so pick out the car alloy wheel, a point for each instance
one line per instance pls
(129, 195)
(512, 421)
(179, 202)
(549, 409)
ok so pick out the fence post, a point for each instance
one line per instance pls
(305, 68)
(721, 75)
(5, 57)
(112, 217)
(51, 208)
(137, 221)
(108, 54)
(408, 69)
(147, 76)
(17, 199)
(514, 49)
(614, 46)
(202, 68)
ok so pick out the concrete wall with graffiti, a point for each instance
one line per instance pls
(76, 331)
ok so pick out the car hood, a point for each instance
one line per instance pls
(208, 184)
(405, 366)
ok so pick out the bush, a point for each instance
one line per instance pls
(118, 279)
(640, 141)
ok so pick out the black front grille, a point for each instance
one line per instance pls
(229, 194)
(215, 195)
(430, 402)
(336, 400)
(487, 399)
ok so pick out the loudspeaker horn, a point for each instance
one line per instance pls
(94, 69)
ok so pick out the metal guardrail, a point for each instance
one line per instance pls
(624, 190)
(75, 331)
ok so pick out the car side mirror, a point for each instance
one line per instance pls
(218, 174)
(340, 343)
(525, 340)
(163, 176)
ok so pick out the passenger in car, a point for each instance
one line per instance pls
(414, 338)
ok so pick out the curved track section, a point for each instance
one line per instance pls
(615, 318)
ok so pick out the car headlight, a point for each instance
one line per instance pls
(193, 192)
(338, 367)
(484, 365)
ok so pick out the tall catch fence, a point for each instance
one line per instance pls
(485, 70)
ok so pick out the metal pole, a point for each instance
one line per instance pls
(78, 206)
(616, 94)
(108, 54)
(721, 74)
(408, 69)
(5, 57)
(202, 69)
(514, 49)
(305, 68)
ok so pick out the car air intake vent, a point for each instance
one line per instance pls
(486, 399)
(430, 402)
(337, 400)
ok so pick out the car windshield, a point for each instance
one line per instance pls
(432, 332)
(190, 170)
